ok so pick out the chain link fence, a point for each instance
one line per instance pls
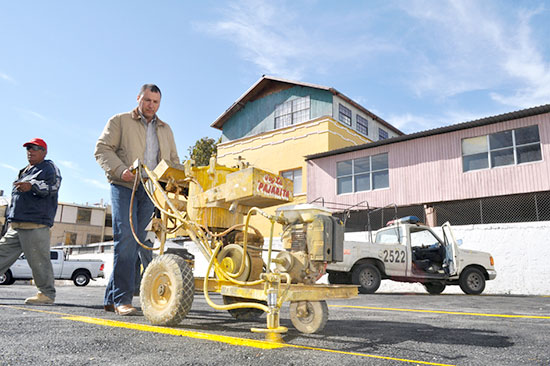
(491, 210)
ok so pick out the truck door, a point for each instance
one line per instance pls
(21, 268)
(451, 245)
(427, 253)
(392, 250)
(57, 263)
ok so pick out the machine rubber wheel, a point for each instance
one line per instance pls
(6, 278)
(245, 313)
(368, 277)
(339, 278)
(434, 288)
(81, 278)
(472, 281)
(167, 290)
(310, 318)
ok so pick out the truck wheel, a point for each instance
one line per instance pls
(167, 290)
(81, 278)
(6, 278)
(472, 281)
(339, 278)
(434, 288)
(368, 277)
(309, 316)
(244, 313)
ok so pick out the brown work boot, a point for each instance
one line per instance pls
(125, 310)
(39, 299)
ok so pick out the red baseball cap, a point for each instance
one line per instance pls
(37, 141)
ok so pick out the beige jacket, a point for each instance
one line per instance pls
(123, 141)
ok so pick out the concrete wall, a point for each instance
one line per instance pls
(521, 253)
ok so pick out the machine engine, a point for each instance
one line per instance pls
(311, 238)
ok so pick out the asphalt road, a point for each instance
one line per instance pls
(380, 329)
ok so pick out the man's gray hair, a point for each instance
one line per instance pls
(151, 87)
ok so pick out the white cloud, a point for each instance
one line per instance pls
(68, 164)
(270, 35)
(32, 114)
(477, 48)
(7, 166)
(96, 183)
(410, 123)
(7, 78)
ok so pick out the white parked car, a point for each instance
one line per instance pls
(80, 271)
(408, 251)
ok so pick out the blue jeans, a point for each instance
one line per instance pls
(127, 252)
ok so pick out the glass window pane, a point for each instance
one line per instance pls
(297, 181)
(474, 145)
(344, 185)
(362, 182)
(283, 121)
(288, 175)
(380, 179)
(502, 157)
(527, 134)
(361, 165)
(380, 162)
(529, 153)
(475, 162)
(343, 168)
(500, 139)
(300, 103)
(300, 116)
(382, 134)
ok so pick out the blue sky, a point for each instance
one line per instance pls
(67, 66)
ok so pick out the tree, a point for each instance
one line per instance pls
(203, 150)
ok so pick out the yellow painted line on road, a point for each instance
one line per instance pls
(442, 312)
(213, 337)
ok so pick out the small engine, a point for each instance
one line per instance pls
(311, 238)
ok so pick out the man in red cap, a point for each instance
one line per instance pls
(30, 216)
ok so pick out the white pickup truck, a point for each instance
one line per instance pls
(80, 271)
(408, 251)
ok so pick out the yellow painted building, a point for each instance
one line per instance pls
(277, 122)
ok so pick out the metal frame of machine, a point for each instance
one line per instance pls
(212, 206)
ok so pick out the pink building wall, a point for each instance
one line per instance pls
(429, 169)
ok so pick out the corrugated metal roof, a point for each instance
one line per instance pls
(440, 130)
(266, 81)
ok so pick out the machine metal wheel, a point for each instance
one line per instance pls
(167, 290)
(339, 278)
(368, 277)
(245, 313)
(434, 288)
(81, 278)
(6, 278)
(309, 316)
(472, 281)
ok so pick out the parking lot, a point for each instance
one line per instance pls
(379, 329)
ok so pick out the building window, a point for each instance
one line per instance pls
(382, 134)
(363, 174)
(292, 112)
(69, 238)
(296, 177)
(344, 114)
(504, 148)
(108, 220)
(93, 238)
(83, 216)
(362, 125)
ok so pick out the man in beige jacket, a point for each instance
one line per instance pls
(138, 134)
